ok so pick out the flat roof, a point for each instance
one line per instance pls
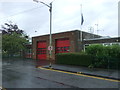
(101, 38)
(64, 32)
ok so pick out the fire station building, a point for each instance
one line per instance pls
(64, 42)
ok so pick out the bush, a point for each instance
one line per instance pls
(74, 59)
(96, 50)
(104, 56)
(113, 63)
(114, 51)
(97, 56)
(100, 62)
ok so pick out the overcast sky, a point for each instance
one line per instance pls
(66, 16)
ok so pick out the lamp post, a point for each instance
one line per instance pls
(50, 38)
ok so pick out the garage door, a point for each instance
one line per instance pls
(41, 50)
(62, 45)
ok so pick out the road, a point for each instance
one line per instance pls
(24, 74)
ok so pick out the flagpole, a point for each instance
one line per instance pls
(81, 24)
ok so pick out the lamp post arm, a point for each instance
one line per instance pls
(42, 3)
(45, 4)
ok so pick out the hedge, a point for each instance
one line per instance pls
(104, 56)
(113, 63)
(88, 60)
(112, 51)
(74, 59)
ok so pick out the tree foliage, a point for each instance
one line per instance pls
(100, 50)
(105, 56)
(13, 39)
(9, 28)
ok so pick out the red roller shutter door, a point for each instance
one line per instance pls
(41, 50)
(62, 45)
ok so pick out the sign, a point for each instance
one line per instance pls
(50, 48)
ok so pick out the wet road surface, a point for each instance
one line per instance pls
(24, 74)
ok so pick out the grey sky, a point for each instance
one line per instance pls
(66, 16)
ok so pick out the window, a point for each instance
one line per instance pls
(62, 49)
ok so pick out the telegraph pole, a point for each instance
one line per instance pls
(50, 44)
(50, 38)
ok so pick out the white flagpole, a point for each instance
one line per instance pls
(80, 23)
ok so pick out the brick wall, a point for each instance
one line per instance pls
(71, 35)
(75, 41)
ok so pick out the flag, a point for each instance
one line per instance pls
(82, 19)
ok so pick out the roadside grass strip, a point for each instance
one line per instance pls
(81, 74)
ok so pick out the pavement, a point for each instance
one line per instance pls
(107, 73)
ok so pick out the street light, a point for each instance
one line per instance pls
(50, 38)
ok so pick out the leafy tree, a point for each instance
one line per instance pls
(9, 28)
(13, 39)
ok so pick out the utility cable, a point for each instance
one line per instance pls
(25, 11)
